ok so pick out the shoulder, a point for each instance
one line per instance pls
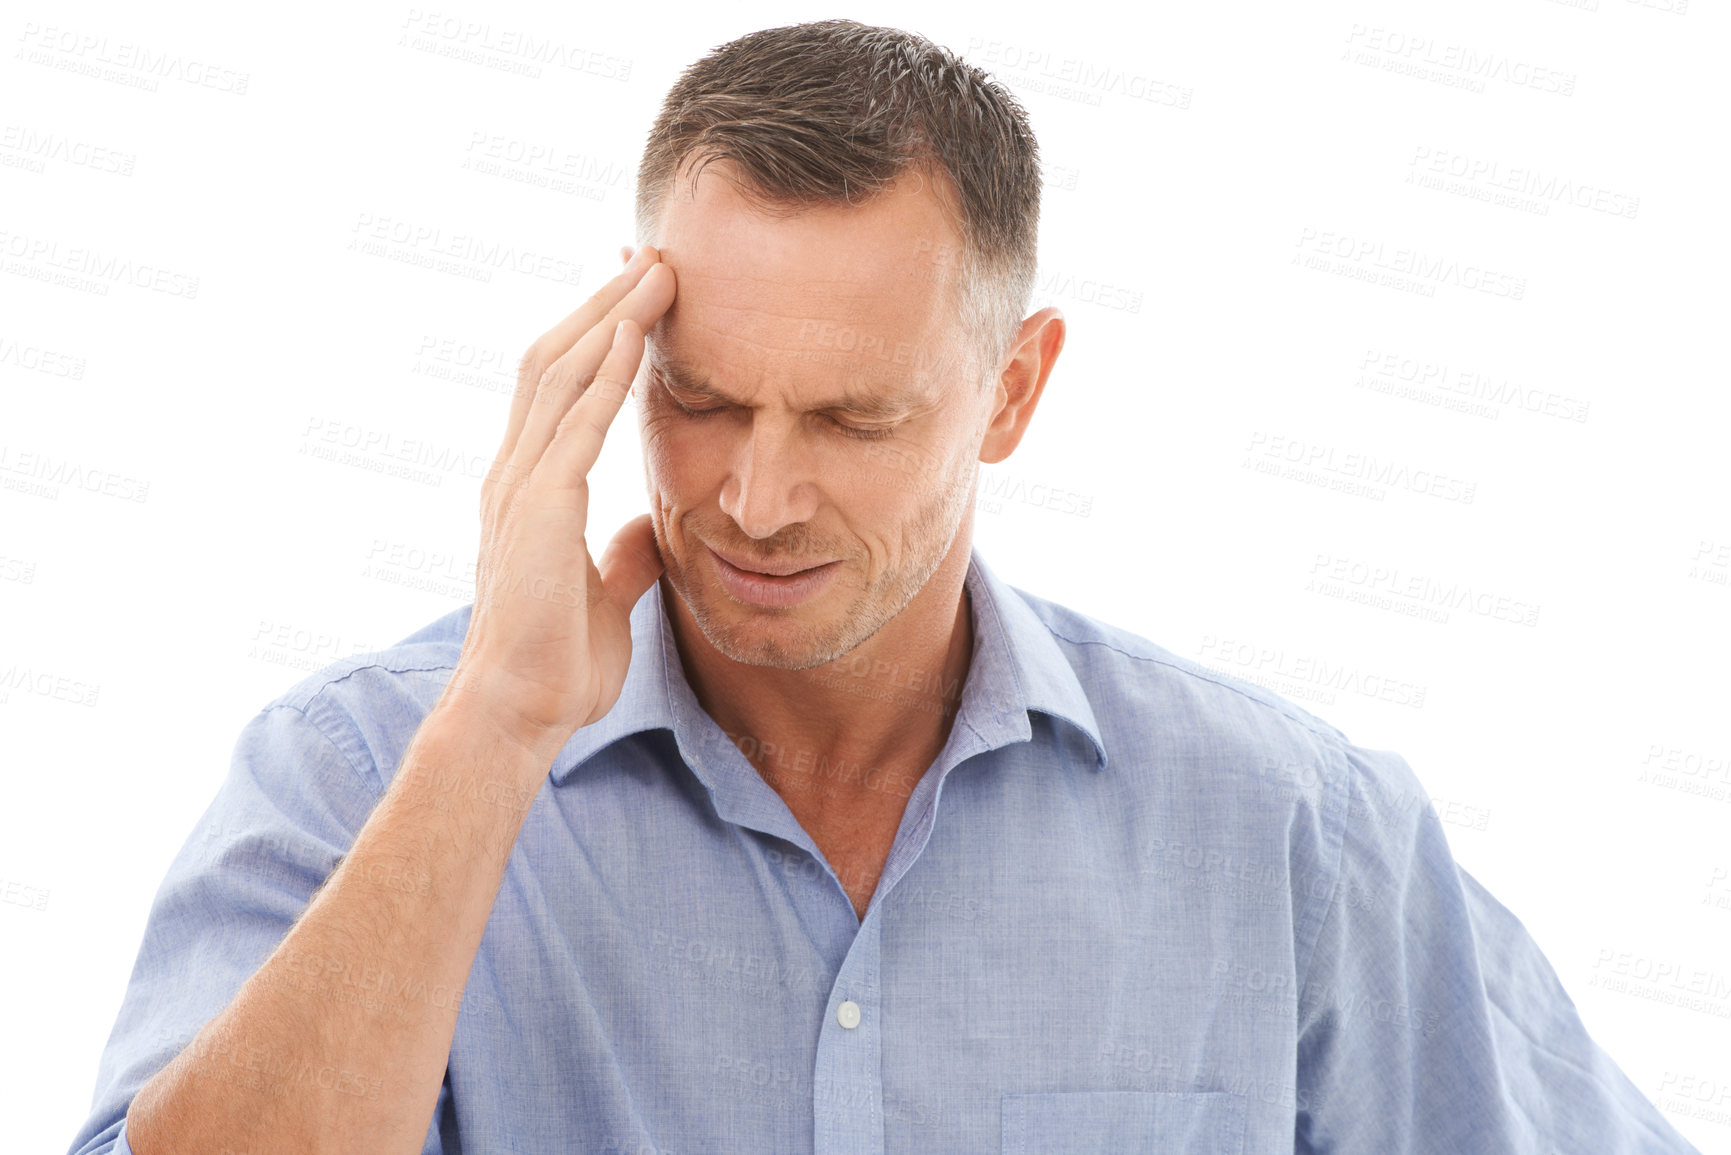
(1233, 765)
(1163, 716)
(370, 704)
(1147, 685)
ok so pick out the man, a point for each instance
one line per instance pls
(788, 826)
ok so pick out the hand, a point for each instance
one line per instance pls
(549, 638)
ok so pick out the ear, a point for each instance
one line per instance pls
(1021, 381)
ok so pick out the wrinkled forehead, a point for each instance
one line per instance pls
(873, 283)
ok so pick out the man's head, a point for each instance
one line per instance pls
(851, 213)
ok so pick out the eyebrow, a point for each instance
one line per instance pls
(688, 378)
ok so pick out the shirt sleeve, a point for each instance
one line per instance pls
(284, 816)
(1429, 1020)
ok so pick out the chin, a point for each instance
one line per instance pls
(817, 636)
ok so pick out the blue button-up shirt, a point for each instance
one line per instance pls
(1134, 905)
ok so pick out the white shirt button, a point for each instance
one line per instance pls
(848, 1014)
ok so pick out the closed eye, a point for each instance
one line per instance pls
(856, 431)
(850, 430)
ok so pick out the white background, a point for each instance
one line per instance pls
(1200, 160)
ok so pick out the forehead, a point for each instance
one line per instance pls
(868, 290)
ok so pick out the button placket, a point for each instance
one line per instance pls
(847, 1085)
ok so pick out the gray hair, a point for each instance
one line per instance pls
(833, 112)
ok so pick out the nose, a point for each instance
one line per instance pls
(771, 482)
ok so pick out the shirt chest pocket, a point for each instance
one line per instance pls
(1167, 1122)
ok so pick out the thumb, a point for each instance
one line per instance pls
(631, 563)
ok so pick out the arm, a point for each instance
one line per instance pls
(388, 1047)
(1429, 1019)
(346, 1027)
(300, 785)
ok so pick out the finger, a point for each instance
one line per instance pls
(576, 443)
(557, 341)
(625, 254)
(631, 562)
(567, 378)
(554, 343)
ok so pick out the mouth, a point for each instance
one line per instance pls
(766, 569)
(777, 585)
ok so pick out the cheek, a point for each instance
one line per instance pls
(676, 456)
(904, 473)
(875, 490)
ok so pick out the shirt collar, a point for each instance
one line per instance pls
(1016, 667)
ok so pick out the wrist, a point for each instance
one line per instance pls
(490, 704)
(468, 731)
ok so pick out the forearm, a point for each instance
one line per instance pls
(339, 1041)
